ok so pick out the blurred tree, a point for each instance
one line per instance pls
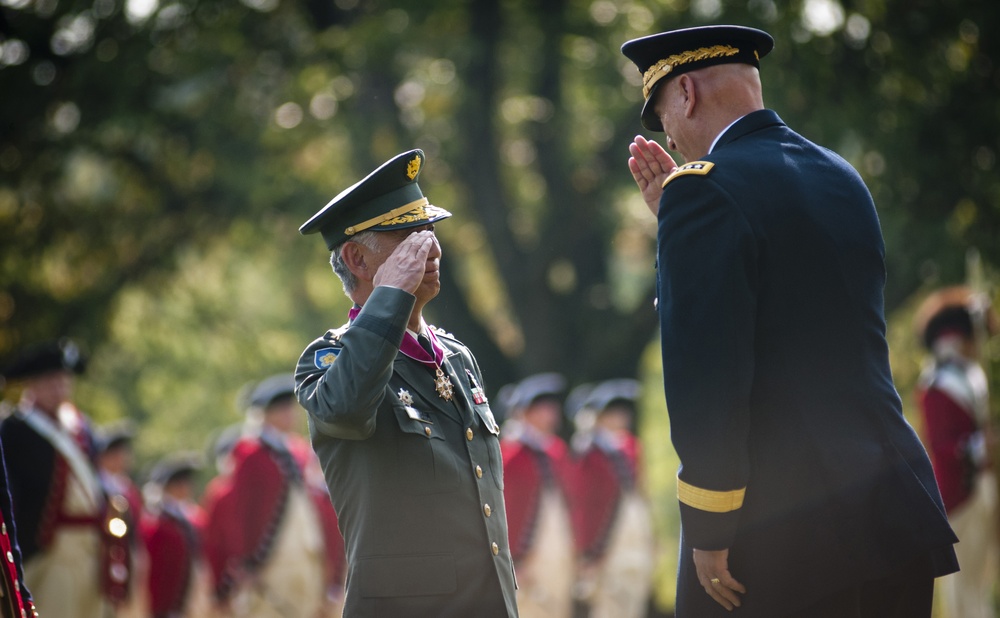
(140, 128)
(157, 156)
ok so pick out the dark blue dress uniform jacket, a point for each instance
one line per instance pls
(418, 485)
(794, 450)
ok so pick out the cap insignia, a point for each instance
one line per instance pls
(413, 168)
(662, 68)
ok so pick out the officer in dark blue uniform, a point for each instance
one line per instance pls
(399, 418)
(803, 491)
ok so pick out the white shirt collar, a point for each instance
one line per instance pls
(716, 140)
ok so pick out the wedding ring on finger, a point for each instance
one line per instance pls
(714, 580)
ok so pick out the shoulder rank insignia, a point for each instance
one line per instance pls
(696, 168)
(325, 357)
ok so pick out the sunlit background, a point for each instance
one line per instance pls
(157, 158)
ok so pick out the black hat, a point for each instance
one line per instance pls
(664, 55)
(955, 309)
(40, 358)
(613, 392)
(226, 440)
(578, 400)
(535, 387)
(175, 467)
(271, 389)
(387, 199)
(114, 436)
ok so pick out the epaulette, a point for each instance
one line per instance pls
(694, 168)
(440, 332)
(334, 334)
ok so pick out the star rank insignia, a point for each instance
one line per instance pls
(405, 396)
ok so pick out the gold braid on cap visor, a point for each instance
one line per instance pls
(663, 68)
(417, 210)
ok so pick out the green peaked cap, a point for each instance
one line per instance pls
(389, 198)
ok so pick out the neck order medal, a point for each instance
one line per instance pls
(443, 385)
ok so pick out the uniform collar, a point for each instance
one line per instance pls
(754, 121)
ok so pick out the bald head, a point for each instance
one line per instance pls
(696, 106)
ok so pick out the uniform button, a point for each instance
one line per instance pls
(495, 548)
(10, 557)
(3, 528)
(479, 471)
(468, 434)
(427, 430)
(487, 509)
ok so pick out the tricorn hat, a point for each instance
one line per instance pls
(667, 54)
(40, 358)
(270, 389)
(175, 467)
(387, 199)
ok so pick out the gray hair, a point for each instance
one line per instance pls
(368, 239)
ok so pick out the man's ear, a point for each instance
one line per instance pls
(689, 92)
(353, 255)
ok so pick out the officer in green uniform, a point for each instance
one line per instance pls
(399, 417)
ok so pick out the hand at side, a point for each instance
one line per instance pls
(713, 575)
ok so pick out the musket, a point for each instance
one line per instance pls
(979, 311)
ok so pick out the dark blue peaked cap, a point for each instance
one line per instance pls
(668, 54)
(387, 199)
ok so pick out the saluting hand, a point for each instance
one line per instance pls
(650, 165)
(713, 575)
(407, 265)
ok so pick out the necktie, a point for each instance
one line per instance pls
(425, 343)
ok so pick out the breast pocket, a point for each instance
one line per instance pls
(424, 462)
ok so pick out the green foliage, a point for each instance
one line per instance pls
(154, 169)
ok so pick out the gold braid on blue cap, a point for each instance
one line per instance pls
(663, 68)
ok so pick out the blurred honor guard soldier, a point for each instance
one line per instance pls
(220, 538)
(954, 401)
(15, 599)
(178, 579)
(536, 467)
(803, 491)
(56, 493)
(277, 565)
(399, 417)
(114, 464)
(611, 517)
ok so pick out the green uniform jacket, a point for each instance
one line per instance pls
(417, 481)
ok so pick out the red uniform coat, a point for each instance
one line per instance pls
(219, 534)
(244, 511)
(600, 477)
(319, 494)
(172, 542)
(948, 400)
(529, 467)
(261, 479)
